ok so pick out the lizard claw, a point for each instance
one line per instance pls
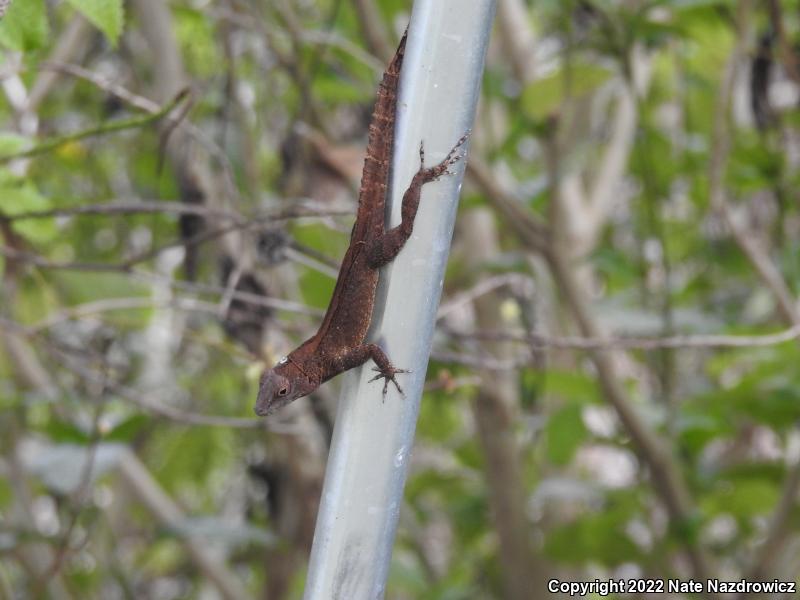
(443, 168)
(451, 156)
(388, 375)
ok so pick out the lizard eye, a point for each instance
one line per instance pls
(282, 391)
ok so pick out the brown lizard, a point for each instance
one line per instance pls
(339, 344)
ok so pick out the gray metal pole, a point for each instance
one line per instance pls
(373, 438)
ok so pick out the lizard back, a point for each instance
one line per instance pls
(347, 319)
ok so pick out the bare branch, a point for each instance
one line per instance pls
(481, 288)
(539, 341)
(373, 29)
(154, 405)
(71, 45)
(102, 129)
(103, 83)
(240, 223)
(127, 208)
(528, 227)
(518, 39)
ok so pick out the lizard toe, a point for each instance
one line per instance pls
(389, 375)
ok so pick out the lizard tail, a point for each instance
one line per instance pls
(375, 179)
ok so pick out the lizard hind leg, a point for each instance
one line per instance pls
(385, 247)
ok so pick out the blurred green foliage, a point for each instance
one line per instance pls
(730, 415)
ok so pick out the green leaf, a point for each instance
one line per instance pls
(127, 429)
(469, 513)
(745, 497)
(570, 385)
(565, 433)
(440, 418)
(430, 481)
(598, 537)
(470, 455)
(64, 432)
(195, 32)
(106, 15)
(407, 574)
(545, 96)
(11, 143)
(769, 393)
(338, 91)
(20, 195)
(86, 287)
(698, 427)
(317, 287)
(682, 7)
(24, 26)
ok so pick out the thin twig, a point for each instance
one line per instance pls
(144, 400)
(103, 83)
(230, 287)
(167, 207)
(204, 288)
(479, 361)
(147, 105)
(114, 304)
(127, 208)
(527, 226)
(127, 264)
(481, 288)
(139, 398)
(637, 343)
(103, 129)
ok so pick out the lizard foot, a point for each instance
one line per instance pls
(388, 375)
(443, 168)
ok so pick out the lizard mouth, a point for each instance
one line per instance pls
(264, 408)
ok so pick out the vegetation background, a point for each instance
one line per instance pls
(614, 389)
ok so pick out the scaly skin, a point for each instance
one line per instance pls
(339, 344)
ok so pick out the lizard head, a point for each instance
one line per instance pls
(279, 386)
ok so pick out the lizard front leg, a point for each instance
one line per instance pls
(384, 248)
(350, 358)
